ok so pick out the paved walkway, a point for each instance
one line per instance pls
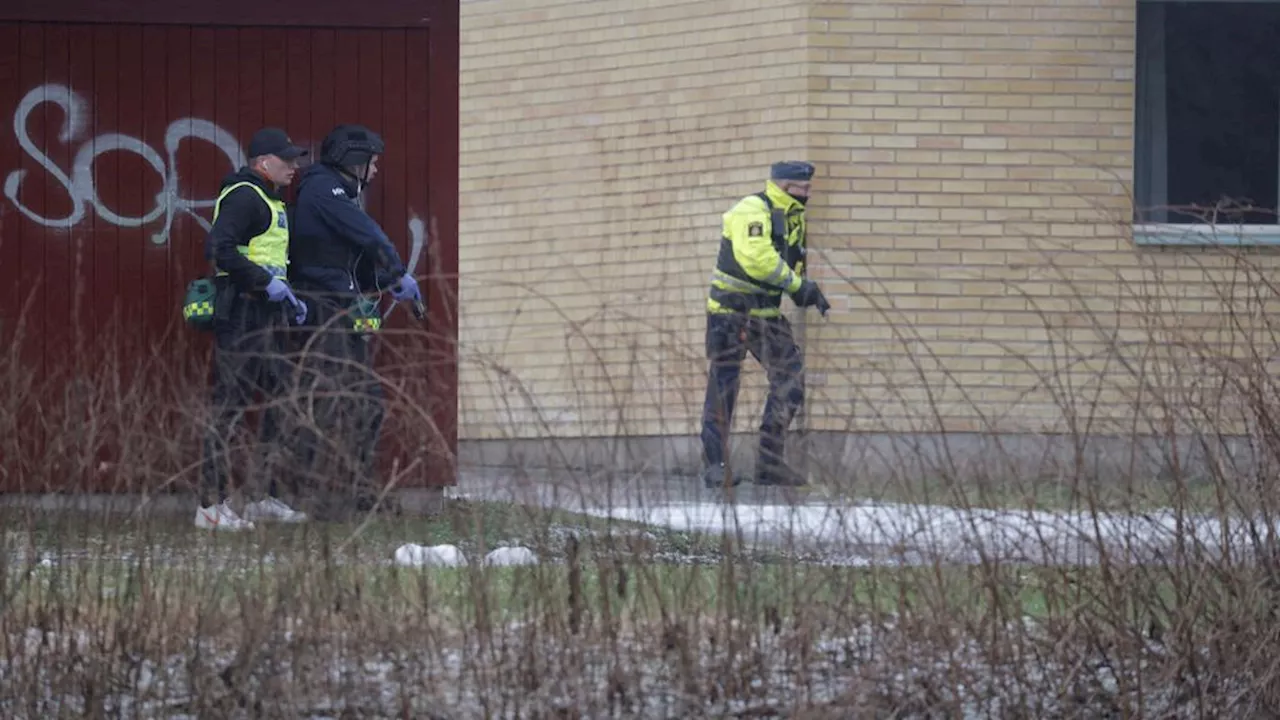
(865, 532)
(834, 529)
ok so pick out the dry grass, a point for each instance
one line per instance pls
(107, 616)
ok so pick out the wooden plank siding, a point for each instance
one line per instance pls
(156, 102)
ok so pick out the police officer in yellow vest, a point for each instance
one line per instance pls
(249, 246)
(762, 252)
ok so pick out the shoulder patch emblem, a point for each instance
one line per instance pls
(755, 229)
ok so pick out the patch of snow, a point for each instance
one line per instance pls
(411, 555)
(928, 532)
(453, 492)
(506, 556)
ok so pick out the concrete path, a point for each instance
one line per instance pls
(840, 531)
(832, 529)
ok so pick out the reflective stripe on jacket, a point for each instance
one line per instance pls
(759, 258)
(270, 249)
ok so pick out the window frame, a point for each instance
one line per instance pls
(1147, 161)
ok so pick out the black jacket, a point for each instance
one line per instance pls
(242, 216)
(334, 245)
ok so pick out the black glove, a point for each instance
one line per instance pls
(810, 295)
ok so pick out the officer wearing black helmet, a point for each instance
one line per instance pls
(339, 258)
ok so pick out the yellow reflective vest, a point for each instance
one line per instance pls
(762, 247)
(270, 249)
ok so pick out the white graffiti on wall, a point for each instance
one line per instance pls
(80, 185)
(417, 240)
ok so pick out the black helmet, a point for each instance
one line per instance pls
(348, 145)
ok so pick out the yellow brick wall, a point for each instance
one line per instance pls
(974, 221)
(601, 140)
(968, 147)
(974, 159)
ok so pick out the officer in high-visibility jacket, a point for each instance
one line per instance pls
(762, 252)
(249, 247)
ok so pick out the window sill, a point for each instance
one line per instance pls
(1203, 234)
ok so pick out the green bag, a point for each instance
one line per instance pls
(197, 307)
(364, 315)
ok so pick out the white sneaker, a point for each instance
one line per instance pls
(273, 509)
(222, 518)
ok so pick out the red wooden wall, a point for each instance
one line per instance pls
(119, 118)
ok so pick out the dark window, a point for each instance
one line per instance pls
(1207, 140)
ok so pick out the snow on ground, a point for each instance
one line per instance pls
(920, 533)
(508, 556)
(414, 555)
(411, 555)
(863, 532)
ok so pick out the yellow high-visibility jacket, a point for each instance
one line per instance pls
(270, 249)
(762, 247)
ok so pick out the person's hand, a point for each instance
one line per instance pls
(279, 291)
(810, 295)
(406, 289)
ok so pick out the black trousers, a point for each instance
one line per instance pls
(770, 341)
(340, 401)
(246, 362)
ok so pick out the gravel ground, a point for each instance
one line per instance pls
(524, 672)
(439, 667)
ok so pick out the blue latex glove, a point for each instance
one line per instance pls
(406, 289)
(278, 291)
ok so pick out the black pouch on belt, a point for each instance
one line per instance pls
(224, 300)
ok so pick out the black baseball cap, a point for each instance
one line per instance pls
(792, 170)
(274, 141)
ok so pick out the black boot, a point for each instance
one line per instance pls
(778, 473)
(713, 478)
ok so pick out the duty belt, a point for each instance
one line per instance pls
(275, 272)
(743, 302)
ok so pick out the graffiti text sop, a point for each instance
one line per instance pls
(79, 184)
